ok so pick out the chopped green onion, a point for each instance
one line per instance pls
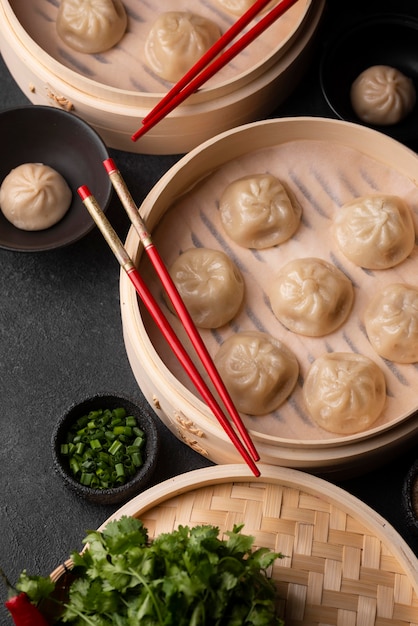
(139, 442)
(104, 448)
(122, 430)
(79, 449)
(82, 421)
(137, 459)
(120, 470)
(86, 479)
(115, 447)
(74, 465)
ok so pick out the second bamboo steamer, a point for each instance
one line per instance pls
(114, 91)
(324, 161)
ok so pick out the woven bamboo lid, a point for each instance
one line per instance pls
(344, 564)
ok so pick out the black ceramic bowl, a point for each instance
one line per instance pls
(136, 483)
(378, 40)
(60, 139)
(410, 497)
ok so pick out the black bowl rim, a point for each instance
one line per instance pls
(406, 132)
(76, 234)
(410, 513)
(137, 482)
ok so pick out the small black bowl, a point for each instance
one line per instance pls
(135, 484)
(387, 39)
(410, 497)
(65, 142)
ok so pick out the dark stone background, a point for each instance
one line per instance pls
(61, 340)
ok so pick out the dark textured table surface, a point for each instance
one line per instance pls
(61, 340)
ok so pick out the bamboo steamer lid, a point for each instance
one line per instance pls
(327, 159)
(343, 563)
(114, 91)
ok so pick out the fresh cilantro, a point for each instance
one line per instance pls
(188, 577)
(36, 587)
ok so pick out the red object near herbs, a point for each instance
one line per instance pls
(23, 612)
(187, 577)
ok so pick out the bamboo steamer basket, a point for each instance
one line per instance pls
(114, 91)
(344, 564)
(321, 159)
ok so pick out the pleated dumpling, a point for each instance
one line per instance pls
(210, 285)
(311, 297)
(34, 196)
(344, 392)
(257, 211)
(375, 231)
(391, 321)
(382, 95)
(259, 371)
(176, 41)
(91, 26)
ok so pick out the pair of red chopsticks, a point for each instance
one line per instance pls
(247, 451)
(203, 70)
(210, 63)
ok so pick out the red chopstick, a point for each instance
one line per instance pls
(204, 69)
(164, 326)
(168, 284)
(210, 54)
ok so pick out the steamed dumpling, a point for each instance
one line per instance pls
(176, 42)
(239, 7)
(258, 212)
(91, 26)
(34, 196)
(311, 297)
(210, 284)
(259, 371)
(391, 321)
(375, 231)
(344, 392)
(382, 95)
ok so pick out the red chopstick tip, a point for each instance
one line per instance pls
(84, 192)
(256, 471)
(110, 166)
(143, 129)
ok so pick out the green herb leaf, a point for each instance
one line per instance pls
(189, 577)
(36, 587)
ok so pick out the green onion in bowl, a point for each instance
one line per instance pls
(105, 448)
